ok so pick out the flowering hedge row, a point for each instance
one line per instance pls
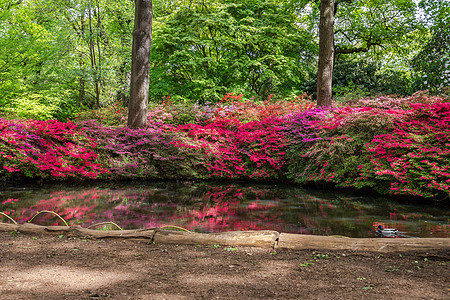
(392, 145)
(43, 149)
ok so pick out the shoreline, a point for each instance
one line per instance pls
(262, 239)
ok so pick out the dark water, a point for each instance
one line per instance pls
(209, 207)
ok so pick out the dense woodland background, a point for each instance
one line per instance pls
(58, 58)
(231, 92)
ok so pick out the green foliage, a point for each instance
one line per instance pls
(32, 107)
(205, 49)
(432, 63)
(320, 256)
(60, 58)
(378, 24)
(64, 55)
(354, 79)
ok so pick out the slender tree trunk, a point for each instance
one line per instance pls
(326, 53)
(121, 94)
(140, 64)
(93, 58)
(98, 68)
(82, 80)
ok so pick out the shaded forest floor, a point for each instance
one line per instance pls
(70, 267)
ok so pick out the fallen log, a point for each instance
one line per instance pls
(32, 228)
(78, 230)
(300, 242)
(263, 239)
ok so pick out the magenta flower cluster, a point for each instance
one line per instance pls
(236, 150)
(47, 149)
(397, 146)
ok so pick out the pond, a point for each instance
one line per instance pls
(213, 207)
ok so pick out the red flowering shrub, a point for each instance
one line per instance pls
(235, 150)
(231, 107)
(394, 146)
(414, 158)
(234, 108)
(46, 149)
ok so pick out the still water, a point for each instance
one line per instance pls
(211, 207)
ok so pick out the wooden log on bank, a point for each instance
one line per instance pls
(32, 228)
(300, 242)
(263, 239)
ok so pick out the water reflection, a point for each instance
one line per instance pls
(206, 207)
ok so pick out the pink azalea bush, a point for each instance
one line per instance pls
(236, 150)
(46, 149)
(414, 158)
(232, 107)
(142, 153)
(392, 145)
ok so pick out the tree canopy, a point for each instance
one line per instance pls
(61, 57)
(432, 62)
(204, 49)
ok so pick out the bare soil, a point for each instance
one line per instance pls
(73, 267)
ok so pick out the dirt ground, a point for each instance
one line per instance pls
(71, 267)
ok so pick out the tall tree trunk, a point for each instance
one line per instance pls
(140, 64)
(93, 58)
(326, 53)
(82, 80)
(99, 71)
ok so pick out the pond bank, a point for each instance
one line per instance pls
(263, 239)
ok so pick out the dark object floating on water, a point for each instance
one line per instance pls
(387, 232)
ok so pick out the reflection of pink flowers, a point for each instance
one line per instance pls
(10, 200)
(72, 206)
(253, 205)
(216, 209)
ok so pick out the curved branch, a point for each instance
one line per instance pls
(369, 44)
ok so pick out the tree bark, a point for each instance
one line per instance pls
(326, 53)
(140, 64)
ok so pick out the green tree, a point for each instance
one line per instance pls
(25, 42)
(432, 62)
(204, 49)
(100, 46)
(58, 56)
(360, 26)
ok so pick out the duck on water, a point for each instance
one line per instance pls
(387, 232)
